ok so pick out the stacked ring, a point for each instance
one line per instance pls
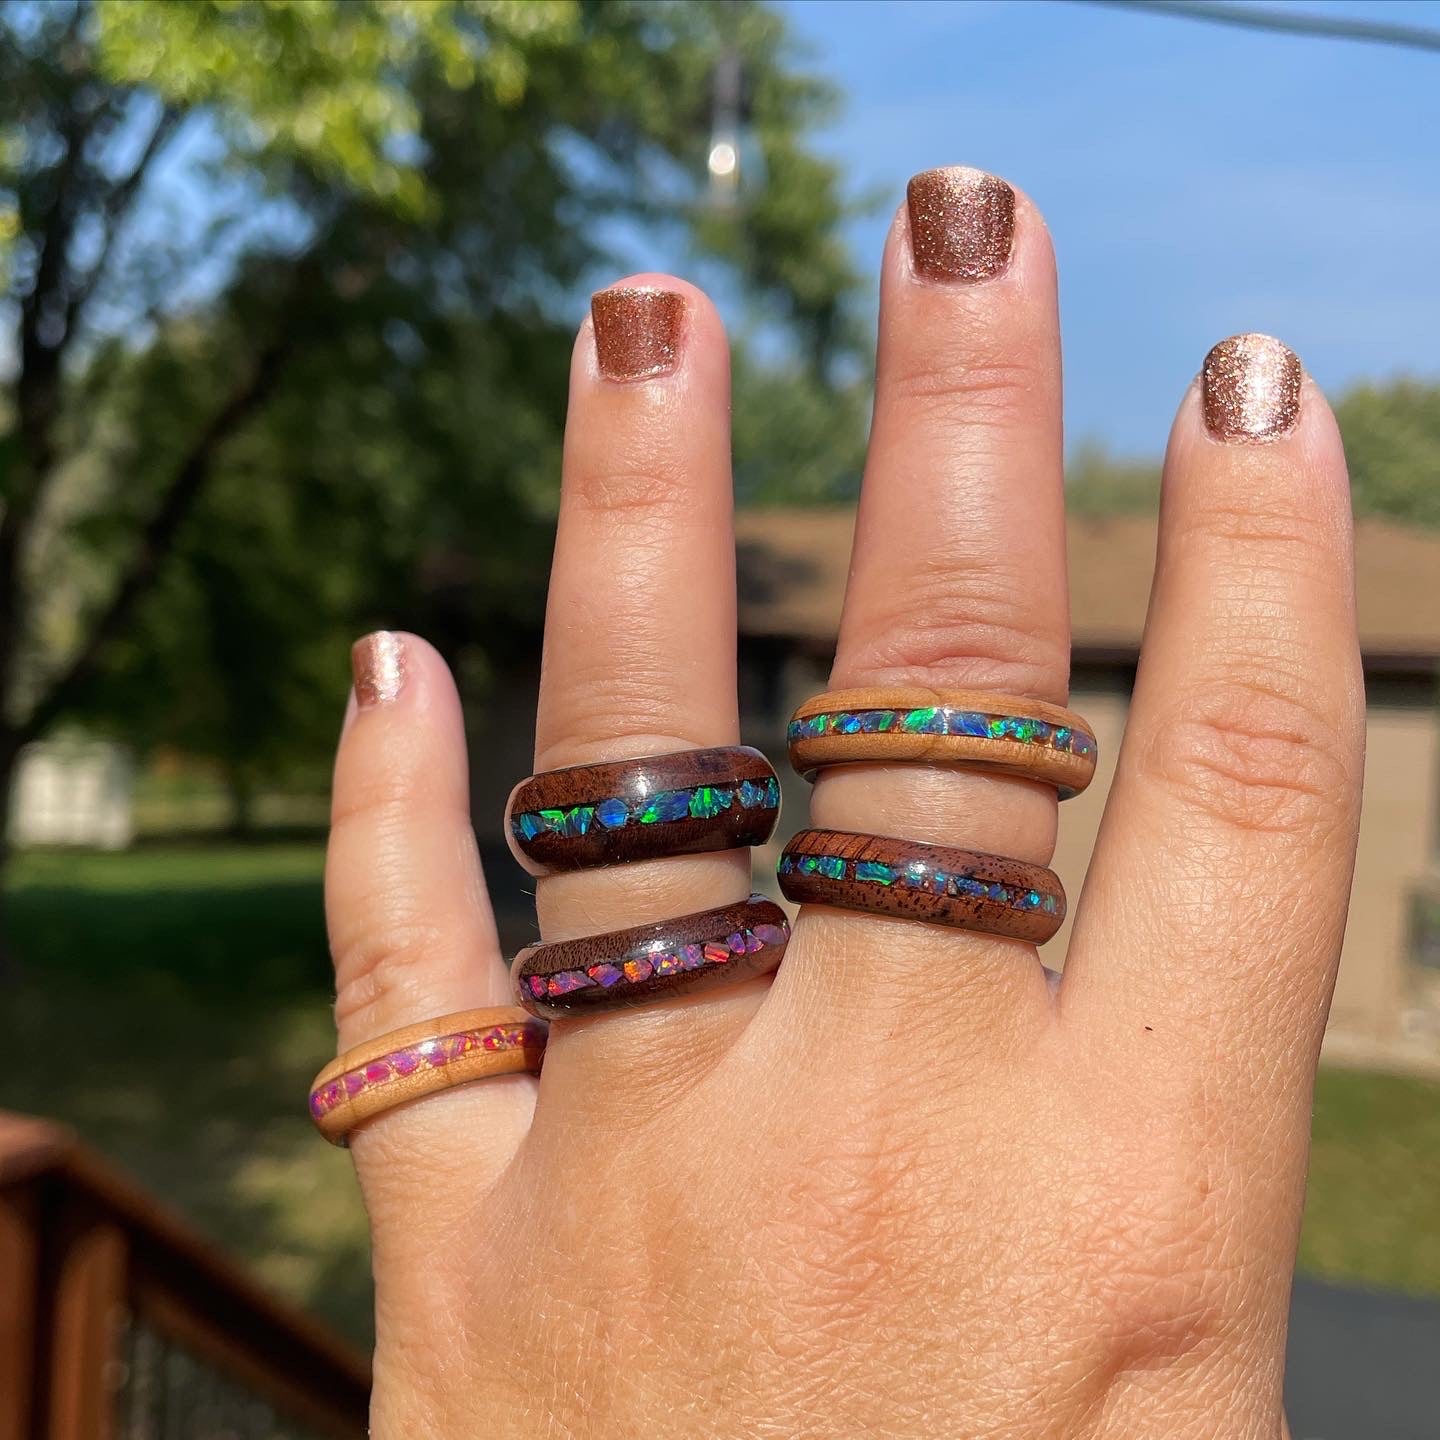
(959, 727)
(418, 1060)
(677, 804)
(916, 881)
(650, 962)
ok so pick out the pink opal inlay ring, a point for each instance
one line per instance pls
(651, 962)
(421, 1059)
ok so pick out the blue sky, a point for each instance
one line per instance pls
(1198, 179)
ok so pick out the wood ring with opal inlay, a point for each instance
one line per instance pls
(972, 728)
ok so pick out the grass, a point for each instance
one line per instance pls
(1373, 1210)
(195, 984)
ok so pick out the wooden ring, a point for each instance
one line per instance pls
(677, 804)
(418, 1060)
(916, 881)
(652, 962)
(953, 727)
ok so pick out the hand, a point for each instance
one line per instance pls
(913, 1187)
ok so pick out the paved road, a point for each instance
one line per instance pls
(1362, 1365)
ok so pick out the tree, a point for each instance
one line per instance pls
(291, 288)
(1392, 445)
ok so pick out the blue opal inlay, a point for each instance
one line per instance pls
(919, 875)
(701, 802)
(612, 814)
(943, 720)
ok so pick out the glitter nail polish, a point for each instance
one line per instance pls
(962, 223)
(379, 665)
(1250, 387)
(637, 331)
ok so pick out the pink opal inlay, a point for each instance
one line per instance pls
(437, 1052)
(638, 969)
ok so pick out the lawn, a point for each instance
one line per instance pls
(195, 984)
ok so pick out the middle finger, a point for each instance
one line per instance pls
(957, 580)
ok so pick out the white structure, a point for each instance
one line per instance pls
(73, 793)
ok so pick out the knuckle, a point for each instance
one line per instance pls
(1255, 756)
(379, 967)
(648, 478)
(1153, 1254)
(838, 1237)
(976, 628)
(974, 380)
(1278, 531)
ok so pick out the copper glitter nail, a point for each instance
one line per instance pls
(637, 331)
(379, 664)
(962, 222)
(1250, 386)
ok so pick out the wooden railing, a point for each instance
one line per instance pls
(117, 1322)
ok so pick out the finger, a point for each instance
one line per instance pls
(640, 641)
(957, 580)
(410, 926)
(1205, 951)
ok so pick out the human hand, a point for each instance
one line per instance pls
(911, 1188)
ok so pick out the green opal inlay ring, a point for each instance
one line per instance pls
(915, 881)
(973, 728)
(683, 803)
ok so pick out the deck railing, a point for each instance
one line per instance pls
(118, 1322)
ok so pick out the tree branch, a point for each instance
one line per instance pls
(158, 536)
(113, 211)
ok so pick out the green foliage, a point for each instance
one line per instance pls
(1371, 1215)
(1392, 444)
(362, 241)
(328, 82)
(1097, 484)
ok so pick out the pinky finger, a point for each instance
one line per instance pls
(411, 929)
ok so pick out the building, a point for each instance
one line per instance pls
(793, 566)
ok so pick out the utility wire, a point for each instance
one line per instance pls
(1257, 17)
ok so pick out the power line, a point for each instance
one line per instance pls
(1256, 17)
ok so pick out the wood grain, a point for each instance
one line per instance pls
(934, 883)
(1068, 771)
(635, 783)
(406, 1065)
(652, 962)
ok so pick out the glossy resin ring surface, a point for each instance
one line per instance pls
(915, 881)
(405, 1065)
(677, 804)
(956, 727)
(652, 962)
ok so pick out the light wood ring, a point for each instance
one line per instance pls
(418, 1060)
(896, 724)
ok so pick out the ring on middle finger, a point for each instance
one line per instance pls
(974, 728)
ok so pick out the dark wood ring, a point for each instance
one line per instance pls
(651, 962)
(677, 804)
(915, 881)
(974, 728)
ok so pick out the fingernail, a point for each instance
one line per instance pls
(637, 331)
(962, 223)
(1250, 385)
(379, 664)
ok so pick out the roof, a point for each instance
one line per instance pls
(793, 565)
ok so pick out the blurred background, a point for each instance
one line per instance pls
(287, 296)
